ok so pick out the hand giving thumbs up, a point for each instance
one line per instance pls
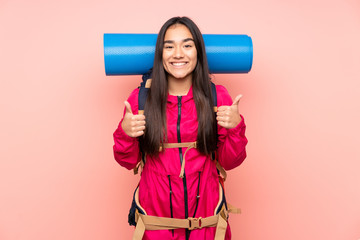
(133, 125)
(229, 116)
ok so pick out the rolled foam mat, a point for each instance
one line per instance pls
(133, 54)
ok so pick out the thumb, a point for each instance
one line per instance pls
(237, 99)
(128, 107)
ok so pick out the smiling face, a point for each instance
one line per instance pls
(179, 53)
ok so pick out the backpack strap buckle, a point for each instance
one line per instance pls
(194, 223)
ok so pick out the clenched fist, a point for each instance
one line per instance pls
(133, 125)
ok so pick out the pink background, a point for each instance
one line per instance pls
(58, 178)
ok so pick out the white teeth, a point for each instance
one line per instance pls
(178, 64)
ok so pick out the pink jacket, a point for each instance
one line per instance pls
(162, 174)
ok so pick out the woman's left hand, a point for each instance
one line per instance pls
(229, 116)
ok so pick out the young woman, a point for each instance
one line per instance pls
(180, 109)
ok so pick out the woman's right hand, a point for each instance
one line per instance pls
(133, 125)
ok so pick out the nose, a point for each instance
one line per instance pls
(178, 52)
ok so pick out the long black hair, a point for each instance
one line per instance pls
(155, 107)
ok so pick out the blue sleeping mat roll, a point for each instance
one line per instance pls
(133, 54)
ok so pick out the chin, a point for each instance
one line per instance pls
(180, 75)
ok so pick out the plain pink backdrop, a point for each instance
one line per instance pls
(58, 178)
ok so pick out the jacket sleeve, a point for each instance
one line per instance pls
(231, 142)
(126, 148)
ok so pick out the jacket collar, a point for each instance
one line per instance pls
(174, 99)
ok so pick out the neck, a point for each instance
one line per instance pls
(179, 87)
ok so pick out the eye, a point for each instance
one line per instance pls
(168, 47)
(188, 46)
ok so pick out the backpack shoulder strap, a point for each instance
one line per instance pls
(143, 92)
(220, 169)
(214, 94)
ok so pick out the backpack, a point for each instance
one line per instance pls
(137, 215)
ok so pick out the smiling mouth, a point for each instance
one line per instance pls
(178, 64)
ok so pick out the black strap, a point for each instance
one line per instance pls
(143, 92)
(214, 94)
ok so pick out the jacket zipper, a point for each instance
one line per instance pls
(198, 195)
(187, 232)
(171, 210)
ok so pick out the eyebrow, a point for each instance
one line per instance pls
(184, 40)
